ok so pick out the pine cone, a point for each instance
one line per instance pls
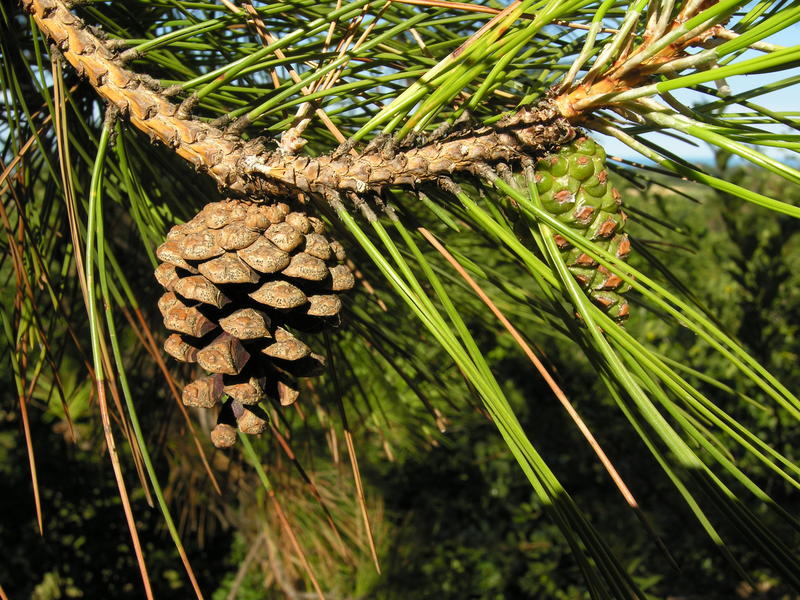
(240, 277)
(573, 186)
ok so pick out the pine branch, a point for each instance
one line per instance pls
(249, 168)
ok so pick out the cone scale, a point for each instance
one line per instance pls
(240, 278)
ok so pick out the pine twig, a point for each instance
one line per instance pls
(248, 168)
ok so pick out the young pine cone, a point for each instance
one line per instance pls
(239, 276)
(574, 187)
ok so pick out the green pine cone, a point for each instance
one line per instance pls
(573, 186)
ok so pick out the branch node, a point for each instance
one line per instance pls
(110, 120)
(126, 56)
(149, 82)
(116, 45)
(449, 186)
(57, 55)
(465, 121)
(390, 211)
(218, 123)
(292, 140)
(486, 172)
(361, 205)
(383, 144)
(236, 128)
(504, 172)
(187, 107)
(101, 35)
(343, 148)
(172, 90)
(334, 198)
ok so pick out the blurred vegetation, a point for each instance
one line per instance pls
(452, 516)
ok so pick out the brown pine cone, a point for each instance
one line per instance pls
(240, 277)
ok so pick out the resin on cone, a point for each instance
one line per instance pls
(241, 278)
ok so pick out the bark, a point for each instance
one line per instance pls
(247, 168)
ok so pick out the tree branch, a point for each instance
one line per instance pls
(248, 168)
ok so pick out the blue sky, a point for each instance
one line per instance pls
(787, 99)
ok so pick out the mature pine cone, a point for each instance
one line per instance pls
(240, 277)
(573, 186)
